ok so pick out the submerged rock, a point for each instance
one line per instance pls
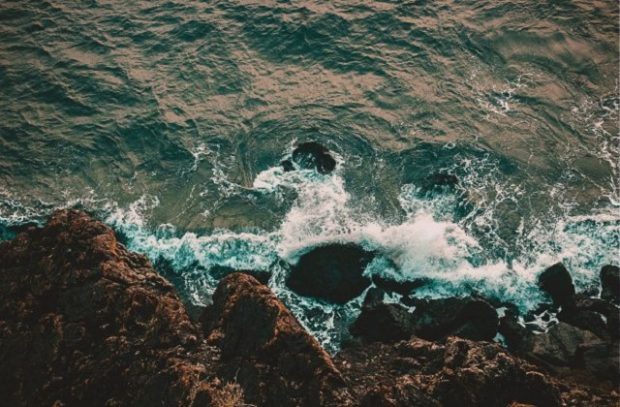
(438, 181)
(557, 282)
(610, 283)
(471, 318)
(267, 351)
(311, 155)
(332, 272)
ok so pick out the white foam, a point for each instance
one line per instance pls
(428, 244)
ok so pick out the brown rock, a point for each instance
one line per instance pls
(457, 373)
(268, 352)
(85, 322)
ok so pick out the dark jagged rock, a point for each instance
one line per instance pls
(471, 318)
(610, 283)
(267, 351)
(374, 296)
(332, 272)
(585, 319)
(458, 373)
(593, 314)
(311, 155)
(287, 165)
(513, 332)
(557, 282)
(85, 322)
(399, 287)
(383, 322)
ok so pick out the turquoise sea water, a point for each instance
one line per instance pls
(168, 120)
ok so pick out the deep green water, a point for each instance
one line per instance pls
(168, 120)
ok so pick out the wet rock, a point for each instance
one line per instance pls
(593, 314)
(439, 180)
(287, 165)
(332, 272)
(471, 318)
(83, 321)
(374, 296)
(383, 322)
(266, 350)
(458, 373)
(585, 319)
(400, 287)
(559, 344)
(557, 282)
(311, 155)
(513, 332)
(610, 283)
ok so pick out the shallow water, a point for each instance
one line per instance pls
(169, 120)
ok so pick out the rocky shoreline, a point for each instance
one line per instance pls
(83, 321)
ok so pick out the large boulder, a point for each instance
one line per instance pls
(383, 322)
(557, 282)
(266, 350)
(458, 372)
(593, 314)
(332, 272)
(558, 346)
(83, 321)
(311, 155)
(610, 283)
(471, 318)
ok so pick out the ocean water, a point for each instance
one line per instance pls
(168, 120)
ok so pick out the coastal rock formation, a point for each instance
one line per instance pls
(471, 318)
(559, 344)
(332, 272)
(458, 372)
(85, 322)
(267, 351)
(383, 322)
